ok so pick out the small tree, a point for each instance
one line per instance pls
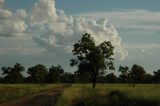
(13, 74)
(157, 76)
(111, 78)
(137, 74)
(148, 78)
(124, 76)
(37, 74)
(55, 74)
(68, 78)
(91, 58)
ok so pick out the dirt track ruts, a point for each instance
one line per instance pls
(47, 98)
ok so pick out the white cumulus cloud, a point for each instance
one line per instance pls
(129, 19)
(21, 14)
(56, 31)
(60, 29)
(12, 24)
(4, 14)
(1, 3)
(44, 11)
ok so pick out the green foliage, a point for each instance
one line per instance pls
(91, 58)
(69, 78)
(83, 77)
(111, 78)
(37, 74)
(148, 78)
(137, 74)
(157, 76)
(13, 74)
(55, 74)
(124, 76)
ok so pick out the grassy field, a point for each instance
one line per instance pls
(111, 95)
(84, 95)
(12, 91)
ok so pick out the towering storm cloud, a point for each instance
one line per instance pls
(56, 31)
(60, 31)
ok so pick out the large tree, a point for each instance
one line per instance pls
(37, 74)
(91, 58)
(13, 74)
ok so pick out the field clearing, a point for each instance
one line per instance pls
(9, 92)
(85, 95)
(111, 95)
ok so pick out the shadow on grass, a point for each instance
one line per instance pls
(115, 98)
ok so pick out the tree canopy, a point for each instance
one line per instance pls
(13, 74)
(37, 73)
(55, 74)
(157, 76)
(124, 76)
(91, 58)
(137, 73)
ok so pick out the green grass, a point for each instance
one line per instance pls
(12, 91)
(111, 95)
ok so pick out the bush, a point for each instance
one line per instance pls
(116, 98)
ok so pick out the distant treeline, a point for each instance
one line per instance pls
(56, 74)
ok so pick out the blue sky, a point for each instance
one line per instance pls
(76, 6)
(136, 34)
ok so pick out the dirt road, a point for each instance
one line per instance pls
(47, 98)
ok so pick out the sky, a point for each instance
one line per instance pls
(43, 31)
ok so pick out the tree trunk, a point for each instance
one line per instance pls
(94, 78)
(94, 83)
